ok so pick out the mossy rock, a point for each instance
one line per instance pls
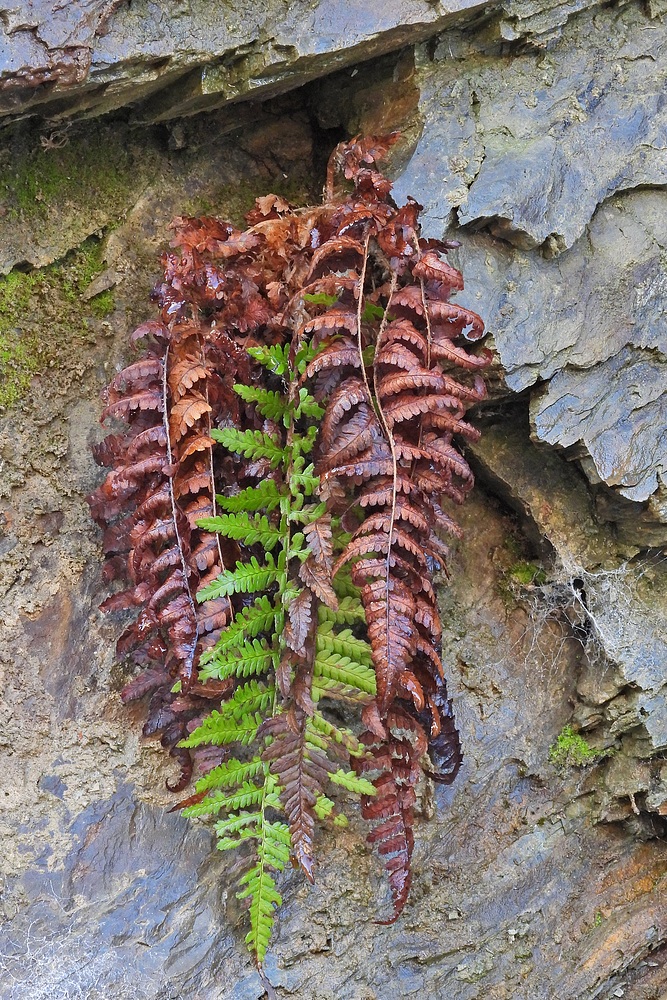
(42, 312)
(572, 750)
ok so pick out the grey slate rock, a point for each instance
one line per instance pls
(622, 603)
(554, 150)
(531, 145)
(589, 329)
(92, 56)
(618, 410)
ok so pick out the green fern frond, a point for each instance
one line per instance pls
(353, 783)
(338, 667)
(254, 696)
(219, 731)
(323, 687)
(320, 298)
(303, 479)
(304, 356)
(253, 658)
(273, 357)
(250, 444)
(273, 851)
(323, 806)
(326, 809)
(243, 527)
(269, 403)
(308, 406)
(231, 772)
(244, 797)
(350, 612)
(246, 825)
(240, 825)
(322, 734)
(301, 514)
(342, 582)
(262, 616)
(345, 643)
(247, 578)
(264, 495)
(304, 443)
(371, 312)
(238, 719)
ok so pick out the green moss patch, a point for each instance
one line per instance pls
(527, 573)
(43, 314)
(572, 750)
(94, 170)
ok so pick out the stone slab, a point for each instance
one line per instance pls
(92, 56)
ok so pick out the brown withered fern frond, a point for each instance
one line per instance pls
(162, 473)
(397, 375)
(266, 584)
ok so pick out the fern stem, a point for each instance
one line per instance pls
(360, 310)
(394, 462)
(429, 339)
(214, 509)
(174, 513)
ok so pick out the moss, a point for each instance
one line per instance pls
(19, 349)
(572, 750)
(48, 299)
(526, 573)
(103, 304)
(93, 170)
(78, 269)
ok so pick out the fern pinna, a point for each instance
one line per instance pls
(276, 507)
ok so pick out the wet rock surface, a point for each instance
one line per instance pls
(534, 879)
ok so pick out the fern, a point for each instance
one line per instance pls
(243, 527)
(269, 403)
(274, 510)
(264, 495)
(262, 616)
(247, 578)
(282, 654)
(254, 657)
(251, 444)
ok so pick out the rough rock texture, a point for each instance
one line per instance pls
(547, 149)
(93, 56)
(533, 132)
(612, 602)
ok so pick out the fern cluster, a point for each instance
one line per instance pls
(292, 446)
(287, 649)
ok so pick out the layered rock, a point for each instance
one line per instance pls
(550, 154)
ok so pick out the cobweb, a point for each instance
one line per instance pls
(603, 610)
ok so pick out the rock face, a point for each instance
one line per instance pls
(93, 56)
(547, 150)
(535, 133)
